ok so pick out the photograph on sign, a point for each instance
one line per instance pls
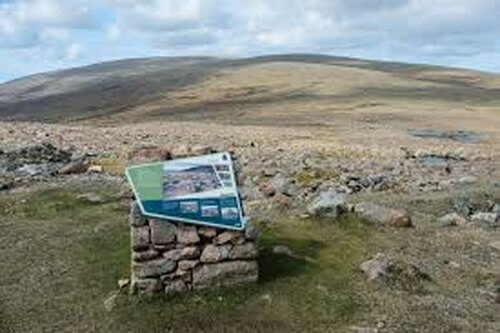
(200, 190)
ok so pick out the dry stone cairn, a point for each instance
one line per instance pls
(172, 257)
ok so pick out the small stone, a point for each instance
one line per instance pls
(175, 286)
(225, 274)
(140, 238)
(162, 231)
(486, 219)
(279, 184)
(181, 151)
(77, 164)
(144, 255)
(228, 236)
(495, 245)
(145, 286)
(187, 264)
(136, 218)
(153, 268)
(95, 169)
(122, 283)
(244, 251)
(329, 203)
(182, 253)
(187, 234)
(251, 232)
(282, 250)
(377, 268)
(376, 214)
(148, 154)
(212, 253)
(452, 219)
(201, 150)
(207, 232)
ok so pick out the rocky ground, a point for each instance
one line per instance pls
(441, 187)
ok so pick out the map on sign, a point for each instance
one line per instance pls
(200, 190)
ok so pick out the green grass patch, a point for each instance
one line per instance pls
(61, 258)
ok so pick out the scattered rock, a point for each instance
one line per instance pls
(279, 184)
(148, 154)
(329, 203)
(201, 150)
(452, 219)
(495, 245)
(78, 164)
(92, 198)
(225, 274)
(95, 169)
(381, 215)
(282, 250)
(162, 232)
(490, 220)
(387, 270)
(122, 283)
(181, 151)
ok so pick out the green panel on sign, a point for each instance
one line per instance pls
(147, 180)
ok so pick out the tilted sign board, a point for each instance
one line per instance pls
(200, 190)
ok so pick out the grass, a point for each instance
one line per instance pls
(61, 258)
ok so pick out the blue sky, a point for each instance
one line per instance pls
(42, 35)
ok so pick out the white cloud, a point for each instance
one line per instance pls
(396, 29)
(73, 51)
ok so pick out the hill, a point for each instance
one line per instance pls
(290, 90)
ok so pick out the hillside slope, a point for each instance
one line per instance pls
(283, 89)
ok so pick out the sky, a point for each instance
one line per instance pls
(43, 35)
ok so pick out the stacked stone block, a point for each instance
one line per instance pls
(175, 257)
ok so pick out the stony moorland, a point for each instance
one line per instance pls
(375, 187)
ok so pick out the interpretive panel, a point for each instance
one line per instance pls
(199, 190)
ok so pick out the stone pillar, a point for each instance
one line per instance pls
(172, 257)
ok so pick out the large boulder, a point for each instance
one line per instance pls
(225, 274)
(329, 203)
(381, 215)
